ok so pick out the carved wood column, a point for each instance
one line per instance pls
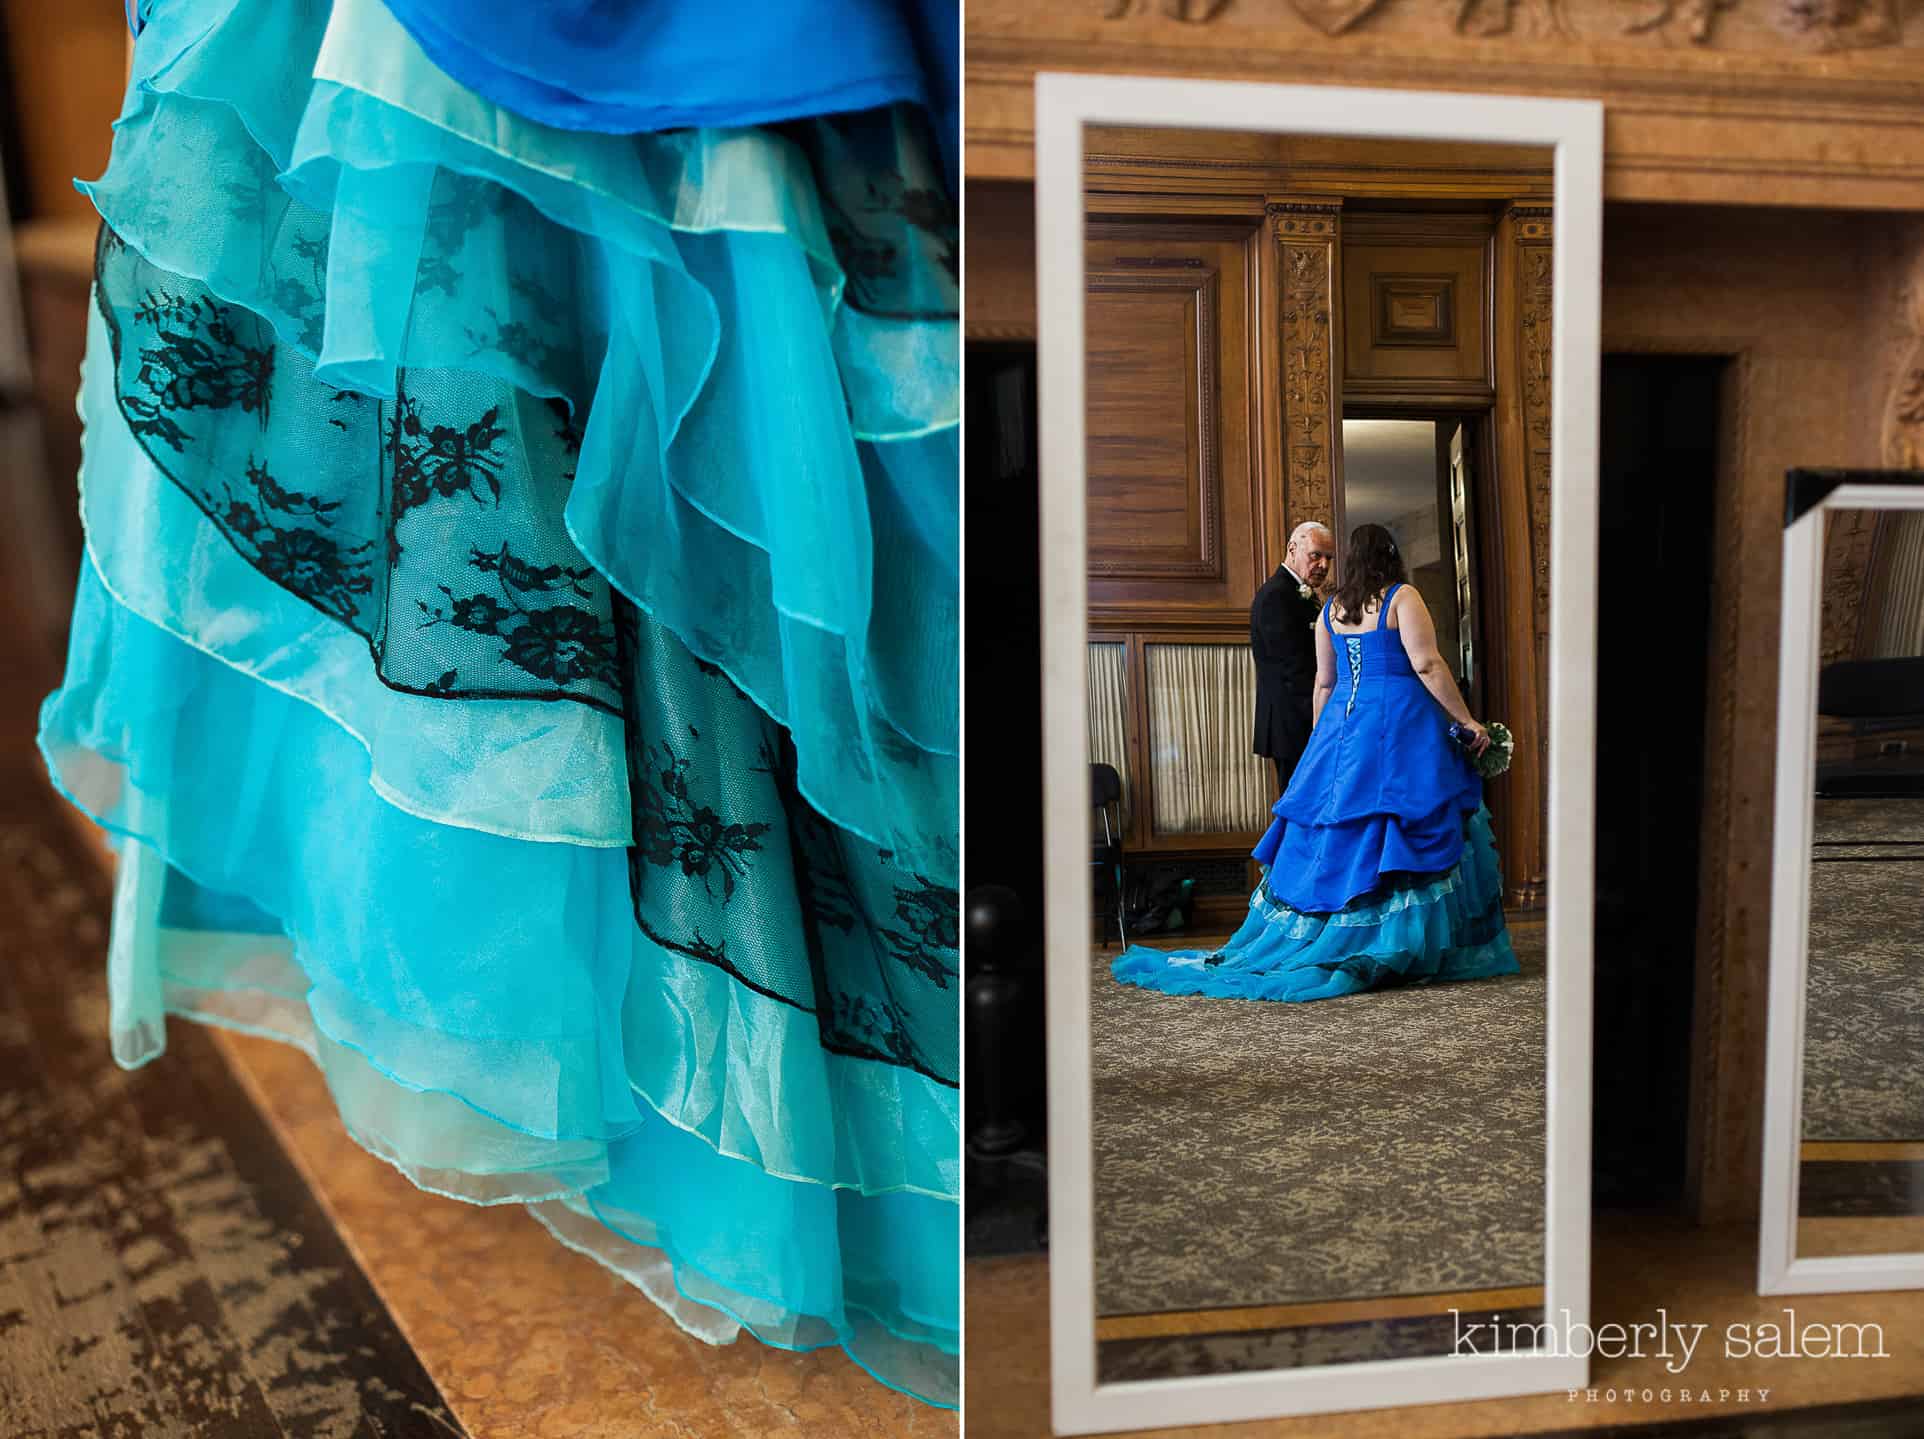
(1522, 581)
(1308, 236)
(1851, 536)
(1850, 541)
(1903, 436)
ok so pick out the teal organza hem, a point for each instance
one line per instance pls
(920, 1360)
(1444, 928)
(395, 232)
(602, 1199)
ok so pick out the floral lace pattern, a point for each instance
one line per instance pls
(333, 577)
(722, 833)
(220, 403)
(674, 829)
(885, 202)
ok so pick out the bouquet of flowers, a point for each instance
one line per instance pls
(1494, 760)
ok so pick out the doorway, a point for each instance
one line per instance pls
(1416, 476)
(1657, 475)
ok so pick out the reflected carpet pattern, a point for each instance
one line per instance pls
(1259, 1153)
(1864, 1008)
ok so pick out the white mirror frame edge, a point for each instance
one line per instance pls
(1800, 635)
(1064, 105)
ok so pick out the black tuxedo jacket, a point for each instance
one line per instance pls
(1282, 638)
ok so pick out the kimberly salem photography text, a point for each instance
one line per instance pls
(1670, 1340)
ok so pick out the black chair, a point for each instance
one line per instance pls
(1105, 848)
(1878, 698)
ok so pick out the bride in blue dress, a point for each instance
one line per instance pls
(1379, 867)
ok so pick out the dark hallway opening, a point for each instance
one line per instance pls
(1657, 483)
(1005, 1109)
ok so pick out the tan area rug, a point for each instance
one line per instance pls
(1260, 1153)
(1864, 1009)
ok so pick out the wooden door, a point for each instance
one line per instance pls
(1461, 485)
(1171, 399)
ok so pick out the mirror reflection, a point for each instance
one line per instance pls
(1861, 1169)
(1319, 432)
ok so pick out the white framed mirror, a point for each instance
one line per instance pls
(1318, 375)
(1843, 1196)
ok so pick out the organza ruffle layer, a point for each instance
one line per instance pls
(662, 291)
(1448, 927)
(1319, 868)
(1381, 791)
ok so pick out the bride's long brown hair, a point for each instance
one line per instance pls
(1371, 566)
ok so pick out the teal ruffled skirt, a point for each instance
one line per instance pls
(1428, 928)
(516, 652)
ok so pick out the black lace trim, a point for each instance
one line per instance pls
(198, 372)
(880, 981)
(894, 226)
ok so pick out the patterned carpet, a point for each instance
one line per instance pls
(1251, 1154)
(1864, 1011)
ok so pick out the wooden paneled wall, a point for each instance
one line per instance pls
(1172, 351)
(1175, 430)
(66, 73)
(1416, 319)
(1243, 291)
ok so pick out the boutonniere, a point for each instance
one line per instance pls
(1306, 592)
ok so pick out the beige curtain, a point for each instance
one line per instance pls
(1202, 710)
(1108, 715)
(1898, 625)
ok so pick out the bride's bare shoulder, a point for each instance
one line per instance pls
(1408, 600)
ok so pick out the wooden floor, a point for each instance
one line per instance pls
(1257, 1317)
(1639, 1266)
(528, 1339)
(165, 1271)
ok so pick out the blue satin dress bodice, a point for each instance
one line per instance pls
(1381, 788)
(637, 66)
(628, 66)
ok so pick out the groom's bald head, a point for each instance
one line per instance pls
(1312, 548)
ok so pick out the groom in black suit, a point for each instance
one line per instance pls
(1282, 637)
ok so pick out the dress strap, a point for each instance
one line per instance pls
(1326, 624)
(1383, 614)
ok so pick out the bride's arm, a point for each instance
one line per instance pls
(1419, 643)
(1325, 674)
